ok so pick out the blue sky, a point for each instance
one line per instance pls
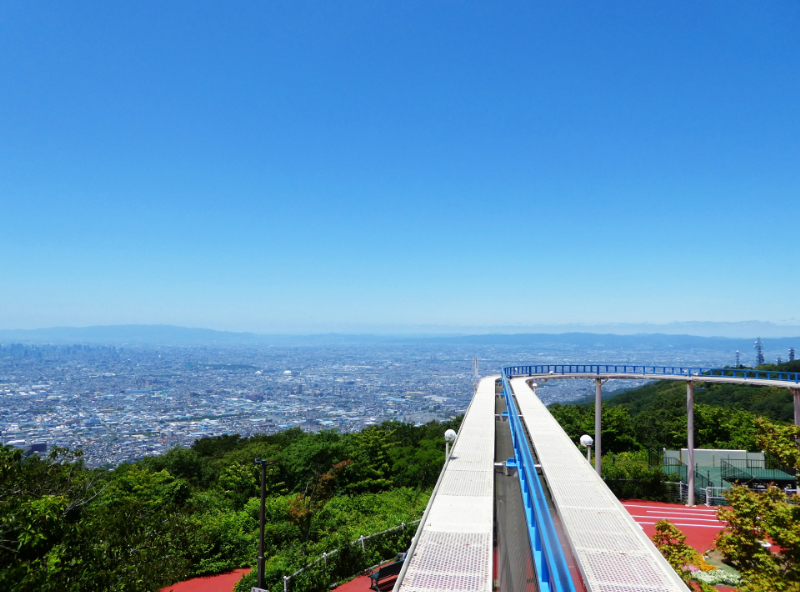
(296, 166)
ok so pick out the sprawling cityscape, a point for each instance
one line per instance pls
(120, 403)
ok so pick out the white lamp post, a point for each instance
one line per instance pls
(449, 436)
(587, 441)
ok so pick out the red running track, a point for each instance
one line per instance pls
(221, 583)
(700, 524)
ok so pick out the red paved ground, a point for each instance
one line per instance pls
(362, 584)
(221, 583)
(359, 584)
(700, 524)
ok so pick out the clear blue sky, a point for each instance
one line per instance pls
(282, 166)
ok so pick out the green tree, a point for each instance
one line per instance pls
(618, 430)
(717, 427)
(418, 466)
(755, 518)
(779, 440)
(217, 446)
(182, 462)
(317, 493)
(239, 483)
(224, 541)
(307, 459)
(370, 469)
(137, 535)
(41, 504)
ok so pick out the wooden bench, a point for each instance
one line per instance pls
(386, 571)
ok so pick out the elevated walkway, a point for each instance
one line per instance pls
(601, 373)
(789, 380)
(611, 550)
(453, 546)
(518, 507)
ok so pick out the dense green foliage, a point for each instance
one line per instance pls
(195, 511)
(653, 416)
(756, 517)
(629, 476)
(661, 423)
(771, 402)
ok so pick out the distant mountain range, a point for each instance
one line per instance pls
(172, 335)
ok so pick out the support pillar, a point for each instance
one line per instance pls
(598, 414)
(690, 438)
(796, 394)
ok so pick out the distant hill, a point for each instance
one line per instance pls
(120, 334)
(600, 342)
(563, 342)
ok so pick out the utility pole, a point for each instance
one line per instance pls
(264, 464)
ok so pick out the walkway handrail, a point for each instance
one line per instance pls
(552, 569)
(325, 556)
(682, 372)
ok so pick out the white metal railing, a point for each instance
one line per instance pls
(679, 491)
(715, 496)
(325, 556)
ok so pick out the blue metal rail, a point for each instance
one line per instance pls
(590, 370)
(552, 571)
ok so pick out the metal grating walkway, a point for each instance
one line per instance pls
(612, 551)
(454, 550)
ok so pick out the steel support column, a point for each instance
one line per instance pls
(796, 394)
(690, 438)
(598, 414)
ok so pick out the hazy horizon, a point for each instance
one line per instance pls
(701, 330)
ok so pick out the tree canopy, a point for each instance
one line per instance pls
(194, 511)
